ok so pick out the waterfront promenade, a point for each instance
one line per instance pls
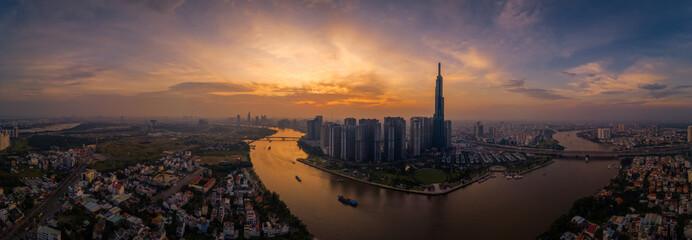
(437, 190)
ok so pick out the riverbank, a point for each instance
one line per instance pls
(437, 192)
(537, 167)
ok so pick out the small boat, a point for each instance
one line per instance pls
(341, 180)
(509, 177)
(610, 166)
(348, 201)
(269, 148)
(293, 162)
(297, 178)
(518, 176)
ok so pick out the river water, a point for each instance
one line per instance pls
(495, 209)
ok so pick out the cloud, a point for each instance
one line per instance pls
(517, 86)
(512, 83)
(516, 14)
(538, 93)
(665, 93)
(592, 78)
(653, 86)
(209, 88)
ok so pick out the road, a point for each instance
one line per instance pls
(175, 188)
(49, 206)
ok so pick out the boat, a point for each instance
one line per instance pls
(293, 162)
(348, 201)
(518, 176)
(297, 178)
(341, 180)
(610, 166)
(269, 148)
(509, 177)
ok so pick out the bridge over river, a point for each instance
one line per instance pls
(279, 138)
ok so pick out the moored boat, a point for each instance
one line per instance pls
(518, 176)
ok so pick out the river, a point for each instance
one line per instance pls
(495, 209)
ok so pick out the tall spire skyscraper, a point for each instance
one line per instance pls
(439, 138)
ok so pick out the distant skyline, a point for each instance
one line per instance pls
(511, 60)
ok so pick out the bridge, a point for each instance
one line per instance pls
(279, 139)
(580, 154)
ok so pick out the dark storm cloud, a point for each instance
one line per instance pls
(517, 86)
(538, 93)
(514, 83)
(653, 86)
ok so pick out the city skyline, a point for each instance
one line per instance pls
(511, 60)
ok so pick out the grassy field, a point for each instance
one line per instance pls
(130, 151)
(428, 176)
(212, 160)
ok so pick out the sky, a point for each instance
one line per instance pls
(501, 60)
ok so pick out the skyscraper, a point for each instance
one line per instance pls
(479, 130)
(689, 134)
(416, 133)
(314, 127)
(438, 135)
(368, 140)
(248, 118)
(394, 138)
(335, 141)
(448, 133)
(325, 136)
(348, 139)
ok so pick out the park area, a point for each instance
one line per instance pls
(429, 176)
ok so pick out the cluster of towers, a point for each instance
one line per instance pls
(370, 141)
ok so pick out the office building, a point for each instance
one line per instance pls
(368, 140)
(394, 138)
(348, 139)
(416, 135)
(438, 135)
(689, 134)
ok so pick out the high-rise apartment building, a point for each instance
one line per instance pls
(368, 140)
(605, 133)
(348, 139)
(335, 141)
(325, 136)
(394, 138)
(314, 127)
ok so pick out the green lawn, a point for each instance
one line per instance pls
(429, 175)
